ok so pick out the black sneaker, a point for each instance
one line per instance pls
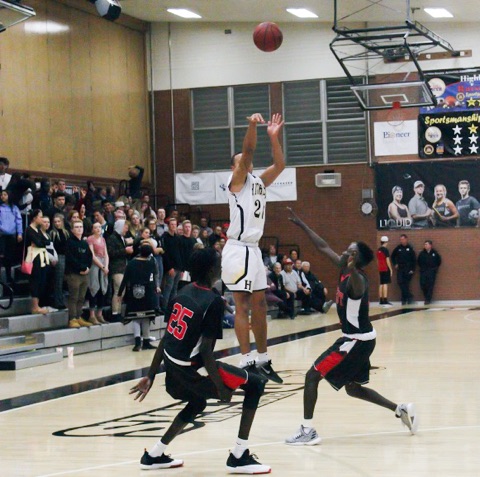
(266, 370)
(147, 462)
(246, 464)
(147, 345)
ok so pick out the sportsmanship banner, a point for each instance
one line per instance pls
(211, 187)
(452, 128)
(400, 194)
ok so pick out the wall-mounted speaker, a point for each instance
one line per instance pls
(108, 9)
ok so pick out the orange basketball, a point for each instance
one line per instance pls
(267, 36)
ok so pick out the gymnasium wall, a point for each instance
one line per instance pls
(203, 55)
(73, 93)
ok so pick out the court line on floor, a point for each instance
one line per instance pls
(265, 444)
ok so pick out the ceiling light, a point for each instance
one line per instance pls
(438, 12)
(301, 13)
(181, 12)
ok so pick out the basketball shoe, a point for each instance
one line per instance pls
(246, 464)
(266, 370)
(303, 438)
(147, 462)
(406, 412)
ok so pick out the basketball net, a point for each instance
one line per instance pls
(395, 115)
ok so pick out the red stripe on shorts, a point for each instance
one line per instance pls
(231, 380)
(329, 362)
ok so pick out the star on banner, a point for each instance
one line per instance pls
(458, 150)
(473, 138)
(457, 129)
(457, 139)
(471, 103)
(473, 149)
(472, 128)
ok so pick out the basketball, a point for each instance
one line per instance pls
(267, 36)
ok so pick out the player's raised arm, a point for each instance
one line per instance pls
(273, 130)
(242, 163)
(320, 244)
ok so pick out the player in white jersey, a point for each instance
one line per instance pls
(243, 271)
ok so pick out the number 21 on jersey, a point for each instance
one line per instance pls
(176, 325)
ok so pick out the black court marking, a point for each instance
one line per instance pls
(76, 388)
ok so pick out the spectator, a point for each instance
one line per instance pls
(216, 236)
(98, 276)
(429, 261)
(37, 254)
(82, 215)
(47, 299)
(293, 255)
(146, 212)
(42, 198)
(59, 235)
(404, 261)
(157, 248)
(118, 253)
(272, 257)
(187, 242)
(135, 225)
(304, 292)
(72, 216)
(292, 283)
(4, 176)
(78, 261)
(162, 227)
(385, 270)
(276, 287)
(204, 226)
(11, 233)
(196, 234)
(106, 228)
(58, 205)
(110, 194)
(204, 237)
(139, 283)
(319, 291)
(135, 183)
(172, 261)
(108, 210)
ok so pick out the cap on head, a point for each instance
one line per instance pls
(418, 183)
(384, 238)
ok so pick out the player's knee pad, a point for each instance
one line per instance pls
(192, 409)
(253, 388)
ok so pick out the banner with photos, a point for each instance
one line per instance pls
(452, 128)
(420, 195)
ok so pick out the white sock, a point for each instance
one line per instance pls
(307, 424)
(158, 449)
(240, 447)
(262, 357)
(245, 359)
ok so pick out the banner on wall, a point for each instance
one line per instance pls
(394, 140)
(211, 187)
(421, 195)
(452, 128)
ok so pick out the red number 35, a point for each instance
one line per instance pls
(176, 325)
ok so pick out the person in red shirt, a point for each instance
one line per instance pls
(385, 271)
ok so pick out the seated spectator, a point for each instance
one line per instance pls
(204, 226)
(275, 294)
(292, 283)
(4, 176)
(11, 233)
(272, 257)
(319, 292)
(78, 261)
(304, 292)
(225, 227)
(293, 255)
(215, 236)
(140, 296)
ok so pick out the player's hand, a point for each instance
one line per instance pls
(141, 388)
(294, 217)
(275, 125)
(256, 118)
(225, 394)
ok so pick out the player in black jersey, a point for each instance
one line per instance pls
(194, 325)
(347, 361)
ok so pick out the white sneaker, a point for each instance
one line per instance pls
(406, 412)
(302, 438)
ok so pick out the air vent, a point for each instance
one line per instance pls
(328, 180)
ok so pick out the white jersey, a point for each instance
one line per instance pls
(247, 210)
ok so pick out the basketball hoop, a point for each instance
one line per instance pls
(395, 115)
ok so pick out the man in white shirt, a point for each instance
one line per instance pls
(4, 177)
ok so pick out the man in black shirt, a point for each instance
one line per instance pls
(195, 323)
(172, 261)
(429, 260)
(404, 260)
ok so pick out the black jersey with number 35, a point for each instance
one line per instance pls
(195, 312)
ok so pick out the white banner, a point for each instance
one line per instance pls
(395, 140)
(211, 187)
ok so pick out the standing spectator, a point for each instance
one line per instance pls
(196, 234)
(429, 261)
(204, 226)
(4, 177)
(99, 217)
(108, 209)
(204, 237)
(404, 260)
(37, 254)
(47, 299)
(11, 232)
(42, 198)
(110, 196)
(135, 226)
(272, 257)
(419, 210)
(98, 276)
(172, 261)
(72, 216)
(118, 253)
(187, 242)
(216, 236)
(319, 291)
(78, 260)
(157, 247)
(58, 205)
(135, 183)
(292, 283)
(139, 282)
(385, 270)
(59, 235)
(82, 215)
(162, 227)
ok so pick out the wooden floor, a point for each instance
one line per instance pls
(430, 357)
